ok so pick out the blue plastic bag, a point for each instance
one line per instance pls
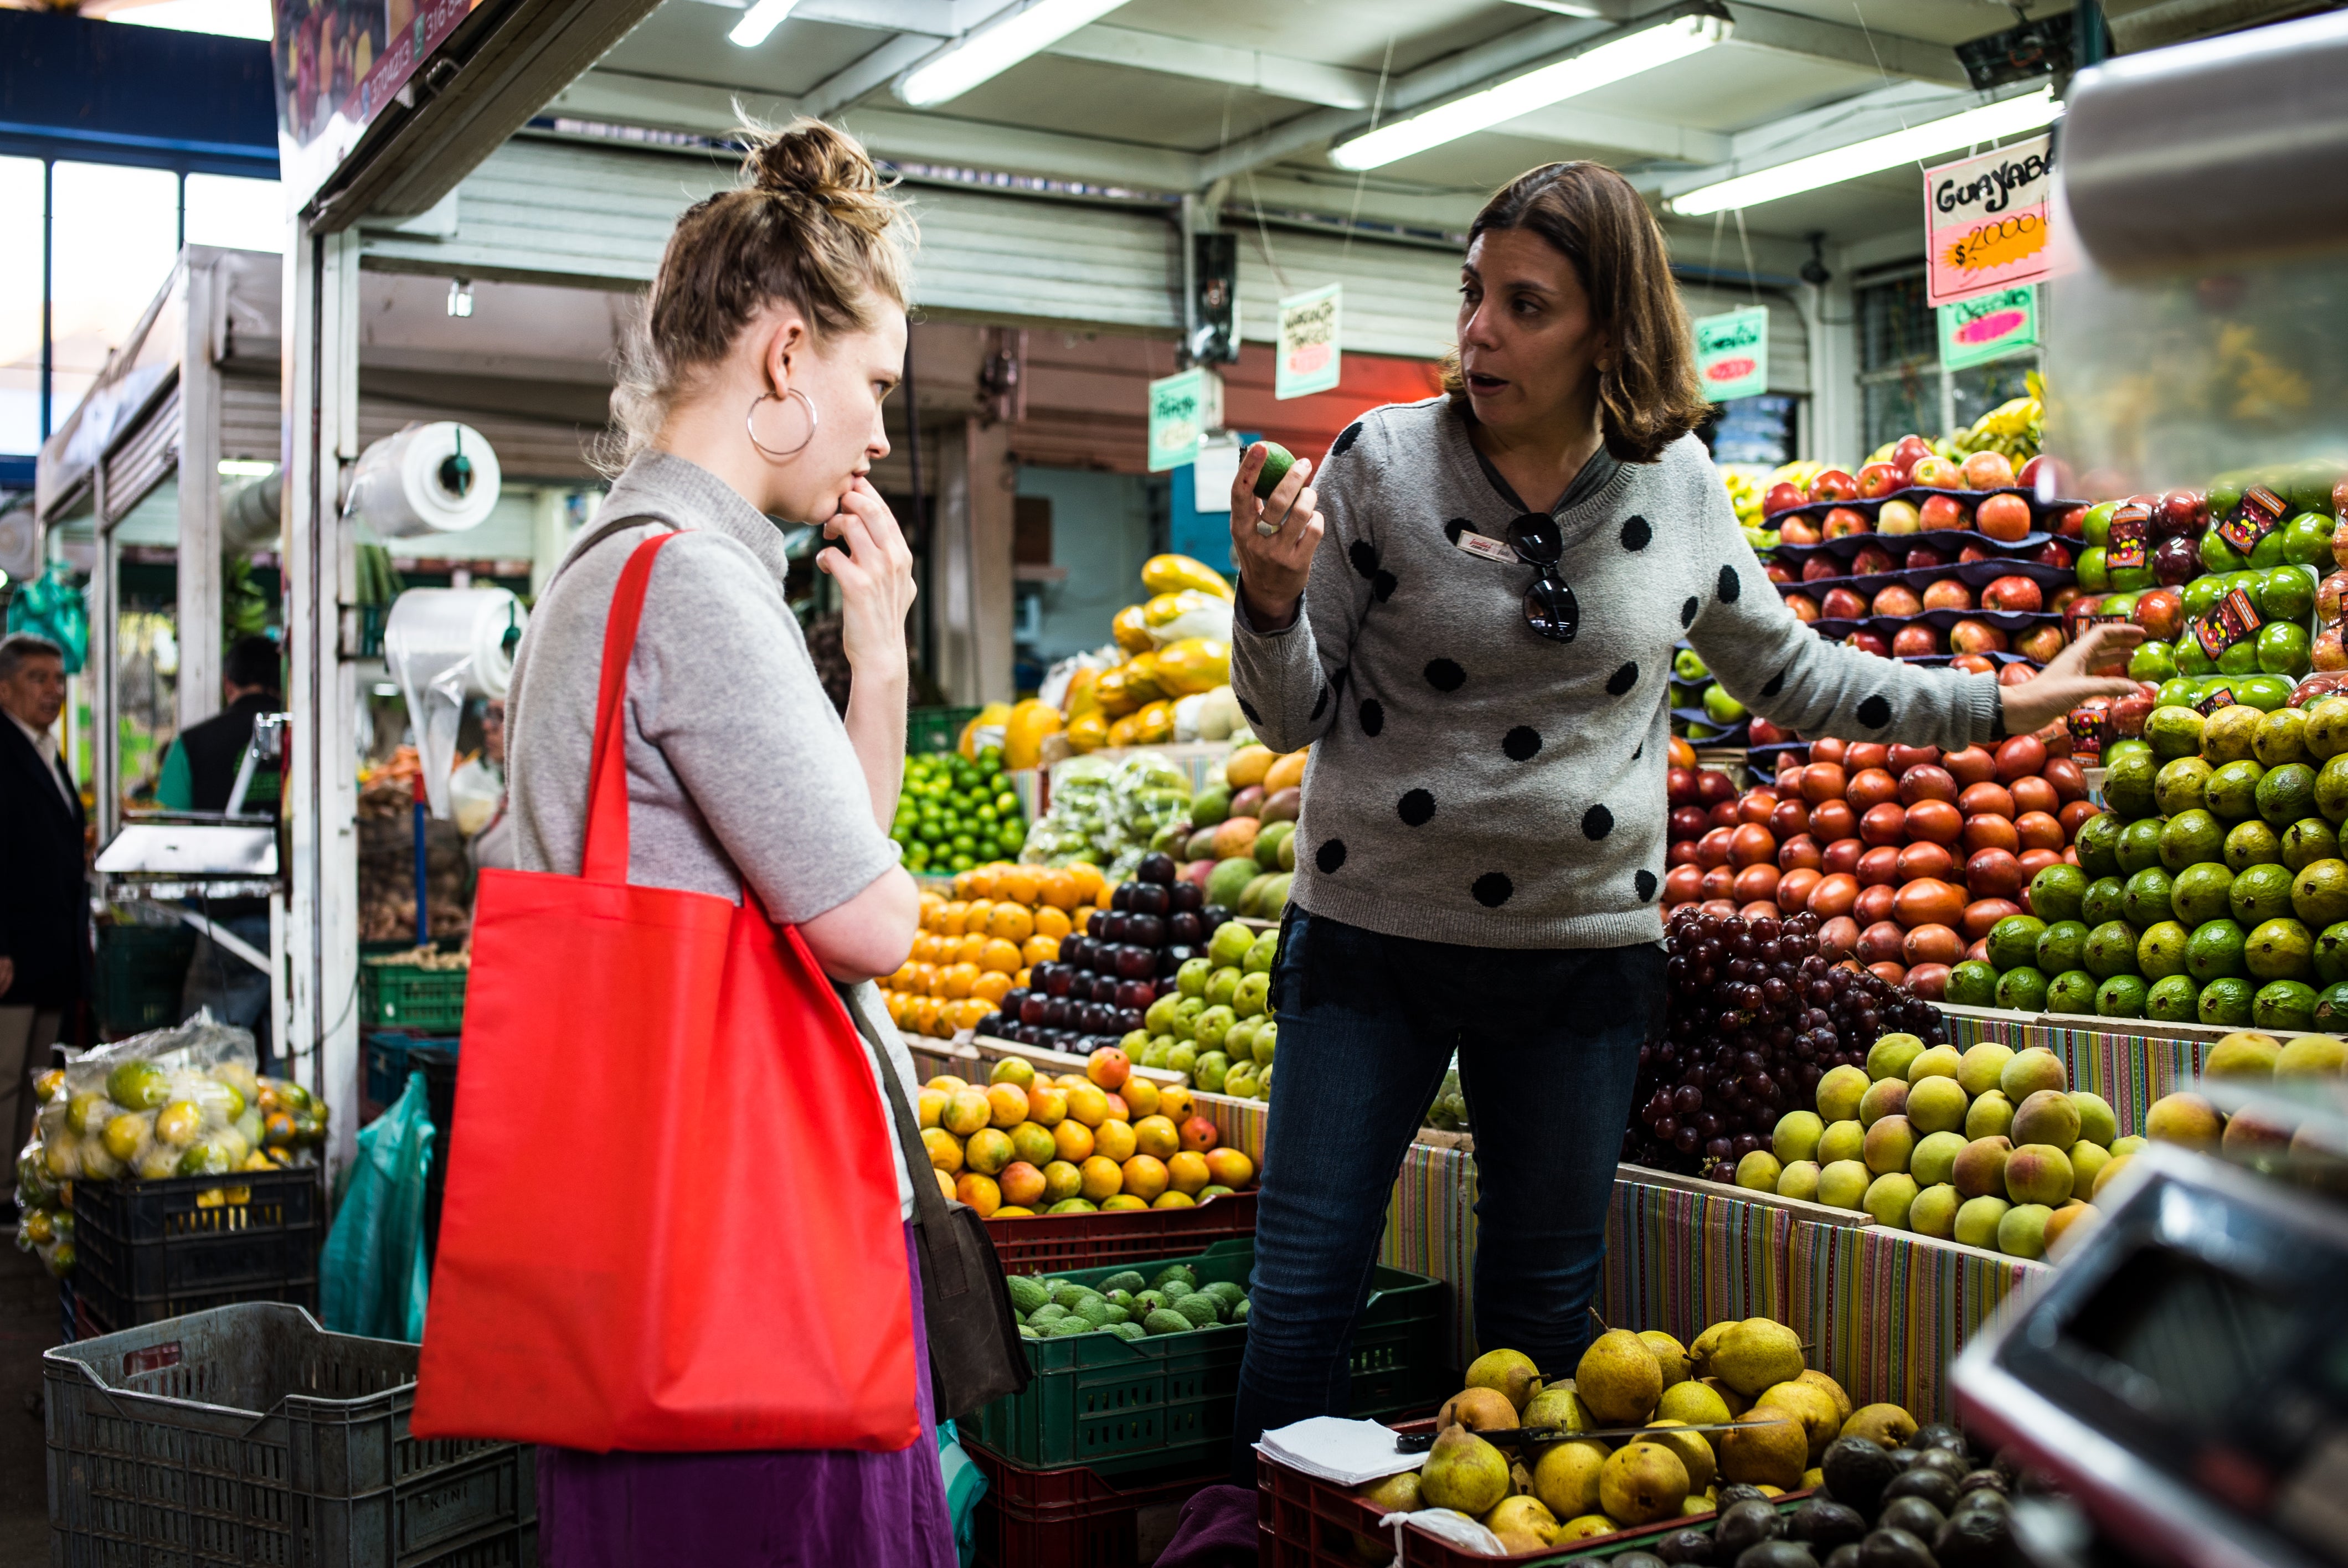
(373, 1279)
(965, 1484)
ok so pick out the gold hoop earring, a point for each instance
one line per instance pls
(750, 422)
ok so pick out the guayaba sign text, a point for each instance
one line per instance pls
(1985, 219)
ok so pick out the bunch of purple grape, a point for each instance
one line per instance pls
(1754, 1018)
(1106, 975)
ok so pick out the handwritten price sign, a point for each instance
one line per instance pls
(1986, 220)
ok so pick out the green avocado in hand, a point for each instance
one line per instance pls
(1277, 461)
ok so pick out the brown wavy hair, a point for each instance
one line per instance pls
(811, 223)
(1651, 397)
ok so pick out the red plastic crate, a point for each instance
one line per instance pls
(1055, 1243)
(1303, 1521)
(1072, 1518)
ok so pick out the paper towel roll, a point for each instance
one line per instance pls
(429, 478)
(443, 645)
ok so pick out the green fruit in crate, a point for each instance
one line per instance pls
(2249, 844)
(2179, 785)
(2128, 783)
(2307, 840)
(2172, 999)
(2214, 950)
(2145, 901)
(2284, 1005)
(2279, 950)
(2319, 893)
(2073, 990)
(2122, 996)
(2111, 950)
(2097, 842)
(2201, 893)
(1796, 1136)
(2160, 950)
(2233, 789)
(2060, 945)
(2140, 845)
(1166, 1320)
(2259, 893)
(1934, 1212)
(2287, 794)
(2332, 782)
(2103, 900)
(2021, 990)
(1973, 984)
(1241, 1082)
(2012, 942)
(1267, 1040)
(1208, 1072)
(2055, 892)
(2192, 837)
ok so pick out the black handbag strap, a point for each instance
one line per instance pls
(929, 1208)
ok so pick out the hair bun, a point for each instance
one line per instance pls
(809, 157)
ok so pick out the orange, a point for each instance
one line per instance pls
(1022, 1182)
(930, 898)
(992, 987)
(1102, 1178)
(902, 979)
(1090, 883)
(966, 1111)
(1062, 890)
(1081, 918)
(946, 1083)
(1102, 902)
(1121, 1202)
(950, 916)
(930, 973)
(1035, 1144)
(968, 950)
(974, 918)
(1200, 1134)
(1039, 949)
(987, 1151)
(1046, 1106)
(1007, 1103)
(1141, 1095)
(1114, 1138)
(972, 1014)
(1144, 1177)
(1052, 923)
(999, 955)
(1011, 923)
(1062, 1181)
(931, 1107)
(983, 880)
(955, 980)
(1168, 1199)
(1088, 1103)
(925, 1015)
(1074, 1140)
(1019, 884)
(898, 1001)
(980, 1193)
(1021, 978)
(1229, 1167)
(945, 1152)
(1155, 1137)
(945, 1184)
(1188, 1171)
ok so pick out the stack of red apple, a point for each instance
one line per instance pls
(1702, 800)
(1907, 854)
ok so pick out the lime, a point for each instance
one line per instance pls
(2307, 840)
(2216, 555)
(2229, 735)
(2128, 781)
(2330, 785)
(2172, 999)
(2140, 845)
(2179, 785)
(2178, 691)
(2241, 659)
(2283, 1004)
(2021, 990)
(2261, 893)
(2289, 593)
(2110, 951)
(2233, 792)
(2279, 950)
(2098, 844)
(2215, 949)
(2073, 990)
(2013, 941)
(2193, 659)
(2174, 732)
(2199, 892)
(2265, 692)
(2122, 996)
(2152, 662)
(2146, 900)
(2160, 951)
(2307, 540)
(2331, 1007)
(1973, 984)
(2199, 596)
(2252, 843)
(2226, 1001)
(2060, 947)
(2095, 574)
(2103, 899)
(2055, 892)
(2331, 957)
(2191, 837)
(2319, 893)
(2096, 528)
(2282, 649)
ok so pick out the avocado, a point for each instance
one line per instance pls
(1825, 1524)
(1129, 1280)
(1277, 461)
(1165, 1321)
(1199, 1309)
(1175, 1271)
(1128, 1330)
(1746, 1524)
(1026, 1295)
(1857, 1470)
(1685, 1548)
(1068, 1327)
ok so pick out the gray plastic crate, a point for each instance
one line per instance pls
(250, 1435)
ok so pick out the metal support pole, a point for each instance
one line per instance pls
(105, 661)
(201, 328)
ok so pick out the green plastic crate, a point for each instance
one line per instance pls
(1119, 1407)
(935, 729)
(402, 996)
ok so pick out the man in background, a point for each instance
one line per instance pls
(44, 938)
(199, 773)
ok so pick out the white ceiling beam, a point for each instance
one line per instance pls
(1854, 119)
(1888, 53)
(1593, 127)
(874, 71)
(1282, 75)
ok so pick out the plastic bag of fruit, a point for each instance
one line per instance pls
(1081, 811)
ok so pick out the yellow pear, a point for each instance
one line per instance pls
(1765, 1449)
(1670, 1355)
(1642, 1482)
(1694, 1449)
(1511, 1372)
(1617, 1379)
(1477, 1409)
(1565, 1478)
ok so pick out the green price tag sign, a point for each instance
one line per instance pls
(1177, 417)
(1988, 325)
(1732, 353)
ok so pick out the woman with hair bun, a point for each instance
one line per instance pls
(772, 334)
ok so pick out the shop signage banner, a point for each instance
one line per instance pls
(1182, 407)
(338, 63)
(1309, 359)
(1988, 325)
(1985, 220)
(1732, 353)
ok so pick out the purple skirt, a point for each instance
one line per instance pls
(825, 1508)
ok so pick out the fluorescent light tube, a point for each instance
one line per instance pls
(759, 20)
(986, 54)
(2009, 117)
(1585, 72)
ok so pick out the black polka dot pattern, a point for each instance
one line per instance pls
(1445, 676)
(1364, 557)
(1777, 682)
(1381, 586)
(1492, 889)
(1623, 680)
(1374, 716)
(1687, 614)
(1249, 709)
(1320, 706)
(1731, 585)
(1646, 883)
(1330, 856)
(1417, 809)
(1454, 528)
(1521, 744)
(1345, 439)
(1875, 712)
(1636, 533)
(1597, 822)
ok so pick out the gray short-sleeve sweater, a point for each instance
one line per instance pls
(1473, 782)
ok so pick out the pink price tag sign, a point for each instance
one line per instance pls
(1985, 219)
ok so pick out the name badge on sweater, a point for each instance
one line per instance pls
(1485, 549)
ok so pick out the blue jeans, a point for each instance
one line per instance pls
(1549, 1046)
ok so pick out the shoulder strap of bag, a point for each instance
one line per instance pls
(605, 859)
(929, 1204)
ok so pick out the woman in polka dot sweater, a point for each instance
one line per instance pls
(1484, 686)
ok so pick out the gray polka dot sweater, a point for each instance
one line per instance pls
(1474, 782)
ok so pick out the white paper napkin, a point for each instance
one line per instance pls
(1347, 1453)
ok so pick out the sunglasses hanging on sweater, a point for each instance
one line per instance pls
(1550, 608)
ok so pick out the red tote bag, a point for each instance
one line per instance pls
(671, 1221)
